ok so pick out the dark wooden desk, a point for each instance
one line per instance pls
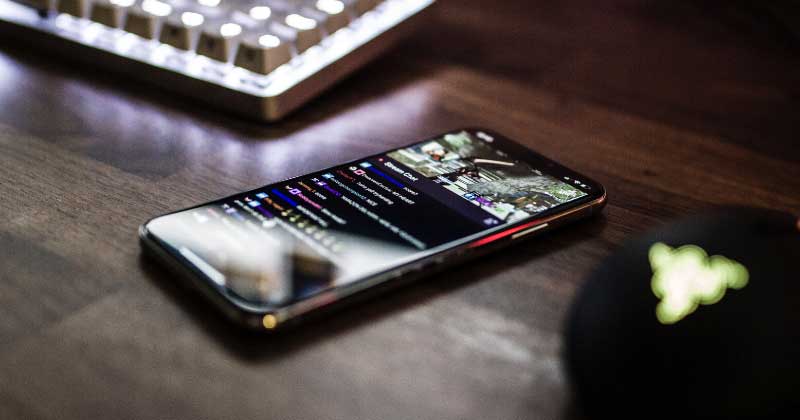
(674, 107)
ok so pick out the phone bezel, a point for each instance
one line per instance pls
(251, 315)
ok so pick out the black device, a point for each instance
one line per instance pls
(270, 256)
(696, 319)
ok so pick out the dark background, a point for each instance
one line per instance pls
(674, 106)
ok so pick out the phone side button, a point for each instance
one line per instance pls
(529, 231)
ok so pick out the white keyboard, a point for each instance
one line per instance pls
(259, 58)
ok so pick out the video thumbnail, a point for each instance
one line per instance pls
(509, 189)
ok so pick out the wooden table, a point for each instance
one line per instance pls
(674, 107)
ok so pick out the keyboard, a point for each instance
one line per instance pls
(258, 58)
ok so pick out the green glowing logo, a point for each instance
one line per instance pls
(687, 277)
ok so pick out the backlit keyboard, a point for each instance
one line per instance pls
(260, 58)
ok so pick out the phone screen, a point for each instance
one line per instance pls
(287, 241)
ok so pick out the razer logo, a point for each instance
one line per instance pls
(686, 277)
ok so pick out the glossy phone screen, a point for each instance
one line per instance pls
(282, 243)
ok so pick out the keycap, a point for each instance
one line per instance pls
(77, 8)
(40, 4)
(145, 19)
(180, 29)
(219, 41)
(260, 13)
(306, 31)
(363, 6)
(336, 14)
(209, 3)
(110, 12)
(262, 53)
(212, 9)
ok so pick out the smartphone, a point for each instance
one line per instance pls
(271, 257)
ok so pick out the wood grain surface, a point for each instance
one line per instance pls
(674, 106)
